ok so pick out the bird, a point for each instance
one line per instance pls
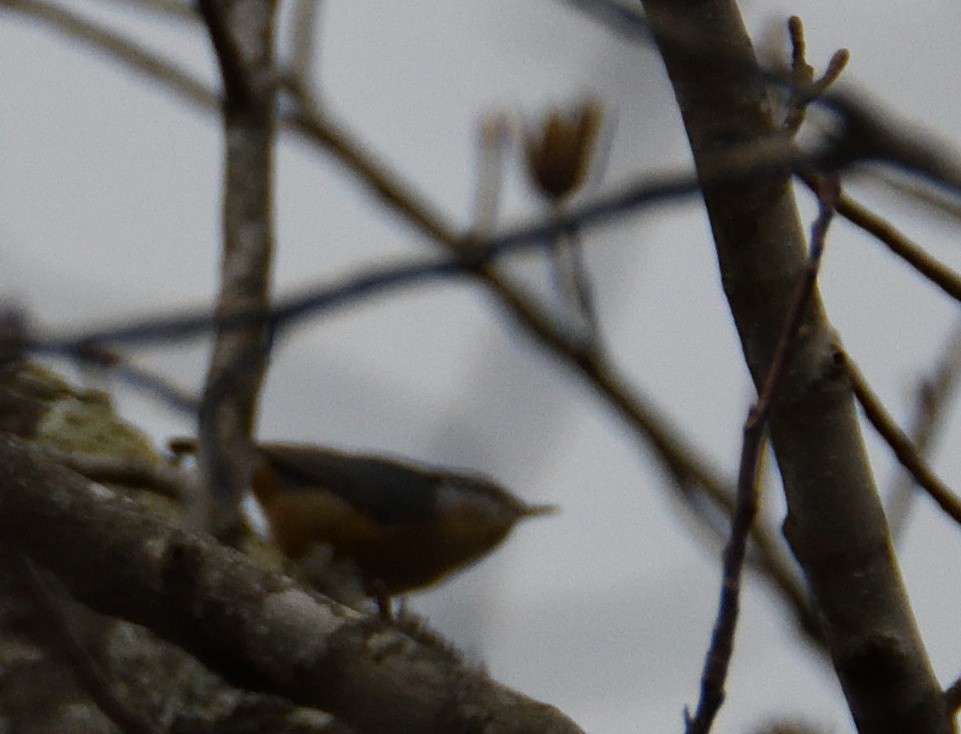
(404, 526)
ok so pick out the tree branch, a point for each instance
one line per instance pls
(835, 522)
(900, 443)
(242, 36)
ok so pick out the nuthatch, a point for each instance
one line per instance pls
(403, 526)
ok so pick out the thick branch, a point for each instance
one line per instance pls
(835, 523)
(256, 628)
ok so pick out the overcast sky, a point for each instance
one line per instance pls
(109, 206)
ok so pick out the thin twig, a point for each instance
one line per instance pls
(118, 365)
(932, 199)
(303, 38)
(805, 88)
(896, 241)
(156, 68)
(934, 395)
(493, 134)
(574, 283)
(899, 442)
(283, 314)
(722, 639)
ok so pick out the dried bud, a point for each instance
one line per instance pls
(559, 154)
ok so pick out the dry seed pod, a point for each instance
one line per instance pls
(559, 154)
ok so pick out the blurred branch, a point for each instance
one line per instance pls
(119, 366)
(933, 397)
(904, 450)
(284, 312)
(303, 41)
(494, 132)
(78, 28)
(242, 35)
(933, 199)
(226, 36)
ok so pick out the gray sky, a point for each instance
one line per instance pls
(109, 208)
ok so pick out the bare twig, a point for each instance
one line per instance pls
(722, 640)
(932, 199)
(934, 395)
(805, 88)
(903, 448)
(574, 284)
(494, 131)
(303, 39)
(902, 246)
(284, 313)
(119, 366)
(156, 68)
